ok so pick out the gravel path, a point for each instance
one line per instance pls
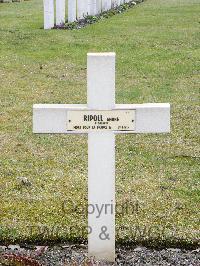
(77, 255)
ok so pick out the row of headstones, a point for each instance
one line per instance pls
(77, 9)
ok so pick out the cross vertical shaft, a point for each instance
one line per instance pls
(101, 129)
(101, 159)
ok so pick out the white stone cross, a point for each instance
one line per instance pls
(101, 119)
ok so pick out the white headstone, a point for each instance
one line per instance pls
(98, 6)
(109, 4)
(71, 10)
(82, 9)
(60, 12)
(104, 5)
(48, 14)
(93, 7)
(101, 119)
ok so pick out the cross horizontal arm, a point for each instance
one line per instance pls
(149, 118)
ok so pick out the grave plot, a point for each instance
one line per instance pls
(101, 119)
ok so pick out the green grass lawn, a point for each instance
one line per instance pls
(158, 60)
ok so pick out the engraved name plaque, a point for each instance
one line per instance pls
(112, 120)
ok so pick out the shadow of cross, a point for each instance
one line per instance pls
(101, 119)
